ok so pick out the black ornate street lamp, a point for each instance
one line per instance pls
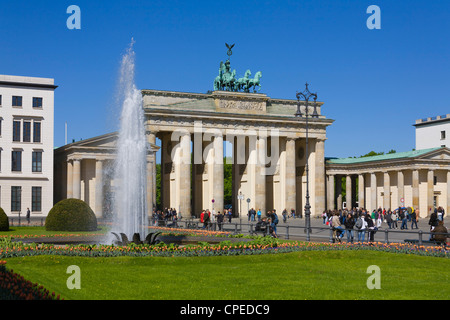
(306, 96)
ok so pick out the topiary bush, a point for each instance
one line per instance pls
(71, 215)
(4, 221)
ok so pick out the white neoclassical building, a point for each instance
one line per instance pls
(26, 145)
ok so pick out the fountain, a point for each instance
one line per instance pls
(130, 171)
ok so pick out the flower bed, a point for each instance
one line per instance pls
(261, 245)
(14, 287)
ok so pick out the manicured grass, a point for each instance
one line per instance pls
(16, 231)
(297, 275)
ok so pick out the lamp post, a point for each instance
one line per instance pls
(306, 96)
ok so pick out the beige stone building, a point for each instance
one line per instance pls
(419, 179)
(268, 150)
(84, 170)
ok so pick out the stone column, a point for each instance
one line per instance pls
(218, 175)
(99, 188)
(430, 189)
(361, 189)
(320, 178)
(69, 179)
(260, 176)
(400, 188)
(415, 189)
(151, 174)
(290, 175)
(339, 191)
(76, 176)
(348, 191)
(373, 192)
(387, 191)
(331, 193)
(184, 185)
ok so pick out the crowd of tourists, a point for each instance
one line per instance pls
(347, 222)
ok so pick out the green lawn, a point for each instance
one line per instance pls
(297, 275)
(16, 231)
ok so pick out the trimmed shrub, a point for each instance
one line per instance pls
(4, 221)
(71, 215)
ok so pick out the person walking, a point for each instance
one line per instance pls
(389, 219)
(28, 216)
(219, 220)
(404, 219)
(394, 217)
(414, 219)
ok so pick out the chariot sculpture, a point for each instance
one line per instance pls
(226, 80)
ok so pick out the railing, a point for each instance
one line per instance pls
(286, 231)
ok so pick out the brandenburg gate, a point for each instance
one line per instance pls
(268, 150)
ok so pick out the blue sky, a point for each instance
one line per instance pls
(375, 83)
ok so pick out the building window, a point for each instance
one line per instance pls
(0, 99)
(36, 132)
(442, 135)
(16, 198)
(36, 161)
(26, 131)
(37, 102)
(36, 197)
(16, 130)
(16, 161)
(16, 101)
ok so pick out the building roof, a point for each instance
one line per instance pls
(389, 156)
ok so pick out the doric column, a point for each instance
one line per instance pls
(99, 188)
(430, 189)
(373, 192)
(218, 175)
(76, 176)
(361, 187)
(260, 175)
(400, 187)
(331, 193)
(151, 174)
(387, 190)
(348, 191)
(320, 178)
(339, 192)
(415, 189)
(184, 185)
(290, 175)
(69, 179)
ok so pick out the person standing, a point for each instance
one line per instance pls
(361, 226)
(258, 214)
(28, 216)
(349, 223)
